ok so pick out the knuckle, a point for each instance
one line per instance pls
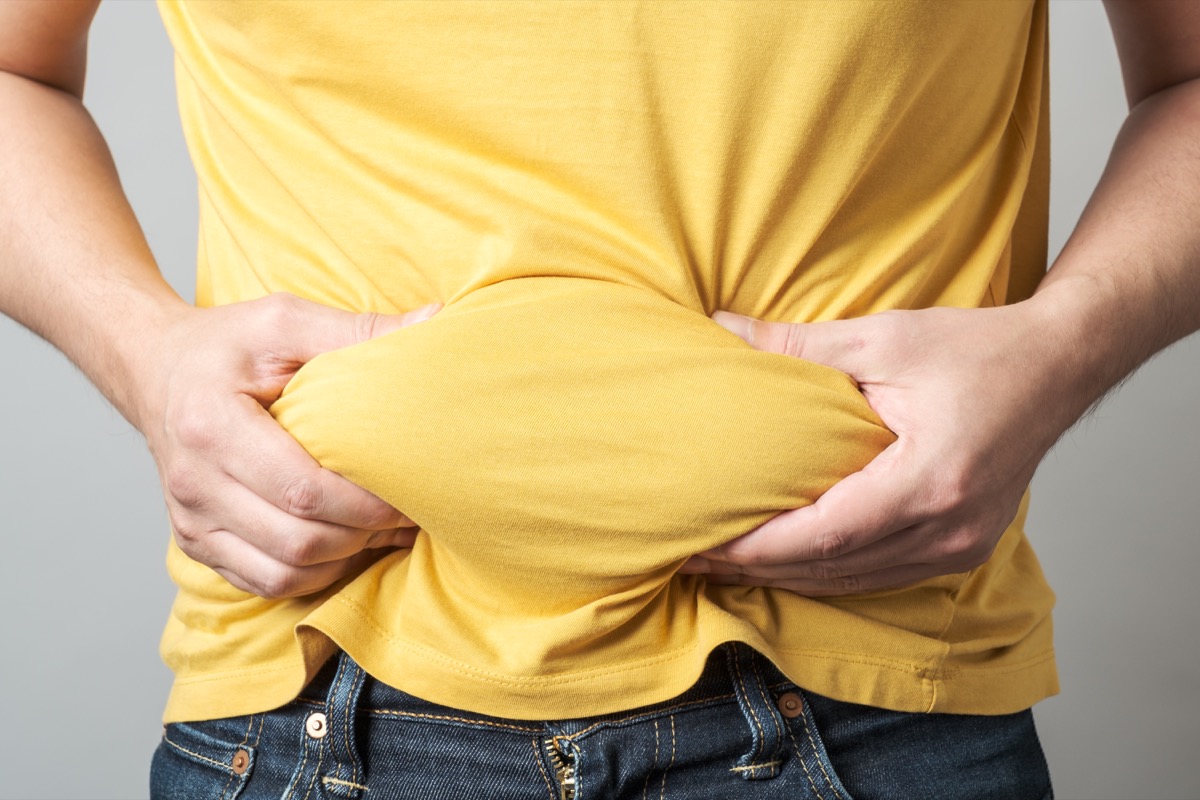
(302, 498)
(793, 342)
(748, 555)
(276, 583)
(276, 310)
(831, 544)
(374, 514)
(956, 544)
(366, 326)
(279, 302)
(300, 550)
(194, 429)
(846, 584)
(742, 557)
(187, 536)
(384, 538)
(978, 555)
(827, 571)
(184, 486)
(966, 548)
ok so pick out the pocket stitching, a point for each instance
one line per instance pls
(206, 759)
(233, 776)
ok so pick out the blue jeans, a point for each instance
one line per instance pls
(742, 731)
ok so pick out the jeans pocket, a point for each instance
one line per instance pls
(199, 761)
(883, 754)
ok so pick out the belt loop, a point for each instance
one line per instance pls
(767, 729)
(330, 753)
(343, 773)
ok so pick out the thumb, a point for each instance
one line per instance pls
(372, 326)
(313, 328)
(836, 343)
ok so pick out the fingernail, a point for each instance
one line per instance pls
(734, 323)
(694, 565)
(425, 312)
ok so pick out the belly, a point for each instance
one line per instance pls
(563, 441)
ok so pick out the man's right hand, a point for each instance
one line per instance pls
(243, 496)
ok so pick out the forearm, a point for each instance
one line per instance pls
(1127, 284)
(74, 265)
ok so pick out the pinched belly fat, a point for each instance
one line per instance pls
(562, 441)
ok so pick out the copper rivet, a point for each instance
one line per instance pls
(790, 705)
(315, 725)
(241, 760)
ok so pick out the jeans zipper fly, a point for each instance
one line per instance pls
(562, 758)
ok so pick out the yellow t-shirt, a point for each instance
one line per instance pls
(582, 184)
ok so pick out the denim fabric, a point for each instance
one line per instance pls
(742, 731)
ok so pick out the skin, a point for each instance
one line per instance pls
(243, 497)
(977, 397)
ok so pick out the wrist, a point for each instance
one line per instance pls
(139, 340)
(1077, 337)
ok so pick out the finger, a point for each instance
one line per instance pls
(293, 541)
(912, 546)
(260, 455)
(305, 329)
(882, 580)
(253, 571)
(840, 344)
(285, 539)
(698, 565)
(400, 537)
(857, 511)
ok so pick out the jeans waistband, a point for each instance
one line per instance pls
(741, 731)
(734, 673)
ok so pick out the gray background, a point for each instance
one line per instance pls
(1114, 515)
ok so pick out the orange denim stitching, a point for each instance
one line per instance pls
(663, 793)
(178, 746)
(537, 759)
(656, 712)
(753, 767)
(649, 772)
(391, 713)
(233, 775)
(766, 700)
(800, 757)
(808, 733)
(340, 782)
(316, 769)
(346, 738)
(754, 715)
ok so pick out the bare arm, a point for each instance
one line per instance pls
(243, 497)
(1130, 274)
(978, 396)
(75, 266)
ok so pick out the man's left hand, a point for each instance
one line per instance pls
(971, 396)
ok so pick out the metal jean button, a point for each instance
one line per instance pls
(790, 705)
(315, 726)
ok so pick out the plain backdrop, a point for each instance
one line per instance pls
(1115, 511)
